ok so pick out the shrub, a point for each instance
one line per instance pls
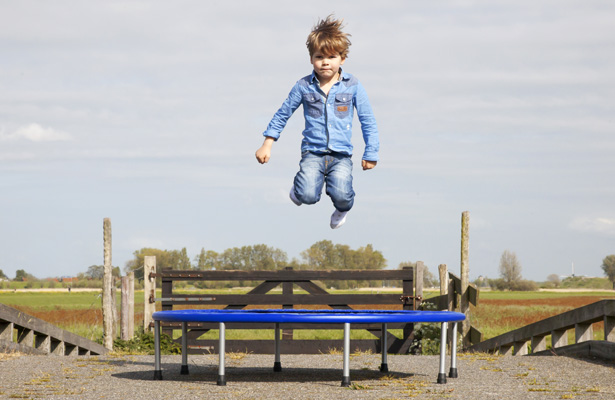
(523, 286)
(426, 336)
(143, 343)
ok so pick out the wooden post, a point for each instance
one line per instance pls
(583, 332)
(539, 343)
(108, 322)
(418, 278)
(464, 303)
(287, 289)
(443, 272)
(559, 338)
(131, 305)
(116, 317)
(149, 290)
(127, 314)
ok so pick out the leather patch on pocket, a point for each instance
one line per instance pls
(342, 108)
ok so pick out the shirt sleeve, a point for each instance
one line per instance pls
(280, 118)
(368, 125)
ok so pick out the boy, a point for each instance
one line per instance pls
(328, 96)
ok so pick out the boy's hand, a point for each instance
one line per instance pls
(263, 154)
(368, 164)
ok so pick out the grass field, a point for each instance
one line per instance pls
(497, 312)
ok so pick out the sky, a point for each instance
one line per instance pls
(149, 113)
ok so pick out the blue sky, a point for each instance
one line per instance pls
(149, 113)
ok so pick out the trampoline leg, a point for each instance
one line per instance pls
(441, 374)
(346, 373)
(277, 365)
(453, 371)
(384, 366)
(221, 351)
(157, 369)
(184, 369)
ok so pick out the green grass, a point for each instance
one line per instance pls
(52, 300)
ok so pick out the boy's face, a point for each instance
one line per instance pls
(326, 66)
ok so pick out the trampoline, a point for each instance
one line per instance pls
(282, 316)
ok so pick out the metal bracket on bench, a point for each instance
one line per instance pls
(415, 299)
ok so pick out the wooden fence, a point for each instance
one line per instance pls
(316, 297)
(27, 334)
(557, 327)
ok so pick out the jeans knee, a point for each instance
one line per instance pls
(343, 204)
(308, 198)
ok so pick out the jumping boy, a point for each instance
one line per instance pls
(329, 96)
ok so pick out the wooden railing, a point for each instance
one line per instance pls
(27, 334)
(451, 299)
(557, 327)
(316, 297)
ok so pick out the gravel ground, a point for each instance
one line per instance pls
(250, 376)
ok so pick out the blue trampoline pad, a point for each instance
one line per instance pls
(308, 316)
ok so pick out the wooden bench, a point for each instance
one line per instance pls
(316, 297)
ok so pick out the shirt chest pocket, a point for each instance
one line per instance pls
(343, 104)
(313, 105)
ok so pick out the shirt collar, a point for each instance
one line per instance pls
(343, 76)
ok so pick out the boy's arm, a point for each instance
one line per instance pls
(368, 127)
(263, 154)
(277, 124)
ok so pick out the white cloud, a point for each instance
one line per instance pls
(594, 225)
(35, 133)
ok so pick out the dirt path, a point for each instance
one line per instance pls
(304, 377)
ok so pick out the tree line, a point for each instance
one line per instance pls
(324, 255)
(321, 255)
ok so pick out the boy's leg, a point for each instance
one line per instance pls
(339, 182)
(309, 180)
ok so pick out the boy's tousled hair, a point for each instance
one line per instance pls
(328, 38)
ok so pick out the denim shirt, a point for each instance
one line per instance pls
(329, 128)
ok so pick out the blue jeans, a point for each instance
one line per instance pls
(315, 170)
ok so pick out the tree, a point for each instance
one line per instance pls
(554, 280)
(326, 255)
(165, 259)
(321, 255)
(95, 271)
(429, 280)
(21, 275)
(510, 268)
(206, 260)
(2, 276)
(608, 266)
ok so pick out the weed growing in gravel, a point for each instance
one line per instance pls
(237, 356)
(357, 386)
(10, 355)
(472, 357)
(335, 351)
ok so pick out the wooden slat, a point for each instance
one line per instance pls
(287, 275)
(305, 299)
(472, 290)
